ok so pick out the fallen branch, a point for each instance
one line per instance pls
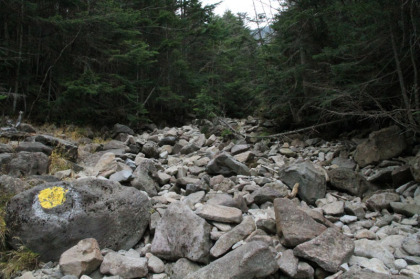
(313, 127)
(294, 192)
(231, 128)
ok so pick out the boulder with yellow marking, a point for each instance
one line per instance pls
(52, 217)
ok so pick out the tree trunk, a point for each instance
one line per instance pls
(20, 36)
(404, 94)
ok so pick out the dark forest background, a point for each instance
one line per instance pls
(133, 61)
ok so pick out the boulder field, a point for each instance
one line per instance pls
(181, 203)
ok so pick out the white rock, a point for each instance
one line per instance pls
(373, 249)
(410, 273)
(373, 264)
(346, 219)
(27, 275)
(365, 234)
(154, 264)
(400, 264)
(334, 208)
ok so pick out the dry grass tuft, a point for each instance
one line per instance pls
(58, 162)
(18, 260)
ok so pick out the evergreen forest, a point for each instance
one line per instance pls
(133, 61)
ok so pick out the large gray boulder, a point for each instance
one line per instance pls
(415, 167)
(120, 128)
(294, 224)
(329, 250)
(10, 186)
(66, 148)
(5, 148)
(347, 180)
(52, 217)
(381, 145)
(182, 234)
(407, 209)
(312, 182)
(144, 177)
(252, 260)
(27, 163)
(34, 147)
(225, 164)
(151, 149)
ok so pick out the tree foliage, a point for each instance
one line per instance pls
(132, 61)
(113, 61)
(345, 59)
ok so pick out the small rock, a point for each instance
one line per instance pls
(346, 219)
(220, 213)
(411, 244)
(155, 264)
(304, 270)
(181, 268)
(400, 264)
(288, 263)
(335, 208)
(124, 266)
(373, 264)
(365, 234)
(83, 258)
(238, 233)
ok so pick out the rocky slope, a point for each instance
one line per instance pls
(175, 203)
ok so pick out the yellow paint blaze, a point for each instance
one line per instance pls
(52, 197)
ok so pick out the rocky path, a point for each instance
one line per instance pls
(175, 203)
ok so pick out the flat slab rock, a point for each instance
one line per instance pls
(125, 266)
(405, 208)
(227, 240)
(220, 213)
(329, 250)
(366, 274)
(252, 260)
(225, 164)
(294, 224)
